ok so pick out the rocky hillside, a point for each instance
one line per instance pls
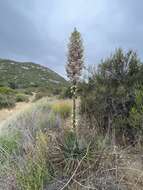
(26, 74)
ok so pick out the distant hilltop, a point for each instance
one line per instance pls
(26, 74)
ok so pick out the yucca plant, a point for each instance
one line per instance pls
(67, 153)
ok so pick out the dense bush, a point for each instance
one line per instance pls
(21, 98)
(108, 97)
(8, 97)
(7, 101)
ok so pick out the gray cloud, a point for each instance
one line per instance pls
(38, 30)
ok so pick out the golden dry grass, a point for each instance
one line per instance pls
(62, 107)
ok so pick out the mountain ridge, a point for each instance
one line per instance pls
(28, 74)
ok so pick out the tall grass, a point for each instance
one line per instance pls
(33, 173)
(9, 142)
(63, 108)
(24, 141)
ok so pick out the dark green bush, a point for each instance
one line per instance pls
(109, 95)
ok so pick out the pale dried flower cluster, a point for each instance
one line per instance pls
(75, 61)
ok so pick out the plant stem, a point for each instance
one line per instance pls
(74, 111)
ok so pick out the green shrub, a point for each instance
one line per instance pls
(109, 94)
(7, 101)
(7, 97)
(22, 98)
(7, 91)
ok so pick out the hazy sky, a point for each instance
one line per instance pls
(38, 30)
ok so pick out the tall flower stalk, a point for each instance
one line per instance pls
(74, 67)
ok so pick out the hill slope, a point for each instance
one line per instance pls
(27, 74)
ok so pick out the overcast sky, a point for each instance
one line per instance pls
(38, 30)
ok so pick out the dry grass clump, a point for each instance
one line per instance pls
(63, 108)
